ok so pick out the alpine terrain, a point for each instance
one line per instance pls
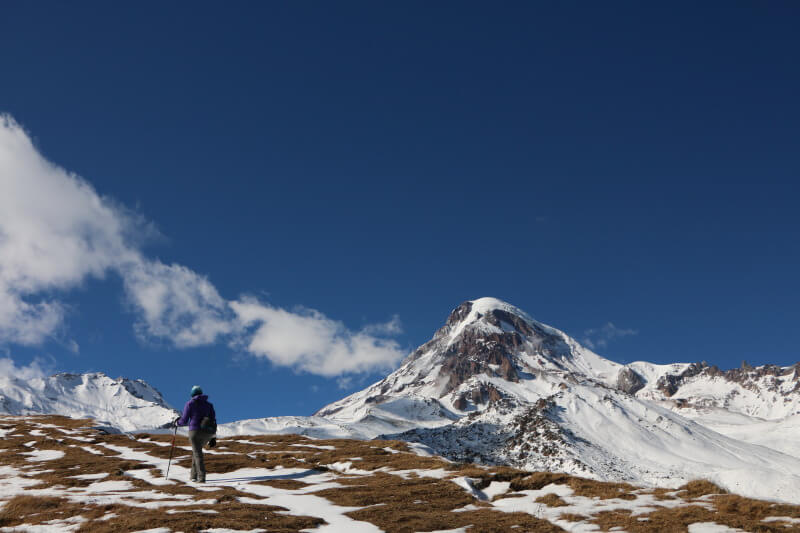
(495, 386)
(121, 404)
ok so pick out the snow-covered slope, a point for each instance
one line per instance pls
(497, 386)
(311, 426)
(120, 403)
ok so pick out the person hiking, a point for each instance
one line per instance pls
(199, 415)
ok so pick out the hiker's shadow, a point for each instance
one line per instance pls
(296, 475)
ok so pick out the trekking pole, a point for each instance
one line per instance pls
(171, 449)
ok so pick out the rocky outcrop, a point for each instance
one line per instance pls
(629, 381)
(747, 376)
(670, 383)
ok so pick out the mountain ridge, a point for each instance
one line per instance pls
(495, 386)
(123, 404)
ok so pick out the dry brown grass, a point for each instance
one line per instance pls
(739, 513)
(737, 505)
(371, 455)
(418, 519)
(392, 503)
(232, 515)
(663, 494)
(572, 517)
(699, 487)
(537, 480)
(391, 491)
(399, 505)
(286, 484)
(510, 495)
(21, 506)
(600, 489)
(551, 500)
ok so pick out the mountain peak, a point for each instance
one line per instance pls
(471, 310)
(489, 315)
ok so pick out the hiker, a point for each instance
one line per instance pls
(199, 415)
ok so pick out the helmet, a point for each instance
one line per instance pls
(196, 390)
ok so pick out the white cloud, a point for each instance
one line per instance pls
(387, 329)
(310, 341)
(344, 382)
(8, 369)
(57, 232)
(176, 303)
(28, 323)
(600, 337)
(54, 232)
(73, 346)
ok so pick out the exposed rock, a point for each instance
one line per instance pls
(461, 402)
(629, 381)
(459, 313)
(669, 383)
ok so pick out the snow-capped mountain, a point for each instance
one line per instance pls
(120, 403)
(495, 385)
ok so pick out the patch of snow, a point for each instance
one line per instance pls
(346, 467)
(436, 473)
(224, 530)
(91, 476)
(711, 527)
(496, 488)
(314, 446)
(788, 519)
(421, 449)
(44, 455)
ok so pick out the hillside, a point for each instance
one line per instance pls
(121, 403)
(60, 474)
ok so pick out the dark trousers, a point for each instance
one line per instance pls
(198, 440)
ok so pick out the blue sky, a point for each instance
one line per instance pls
(619, 163)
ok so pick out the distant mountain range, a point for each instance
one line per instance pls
(495, 386)
(123, 404)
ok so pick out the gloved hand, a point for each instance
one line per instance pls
(212, 442)
(175, 423)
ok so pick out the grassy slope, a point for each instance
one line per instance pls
(254, 481)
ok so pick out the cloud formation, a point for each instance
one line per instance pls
(177, 304)
(600, 337)
(57, 232)
(308, 340)
(34, 370)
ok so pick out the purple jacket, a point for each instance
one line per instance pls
(195, 410)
